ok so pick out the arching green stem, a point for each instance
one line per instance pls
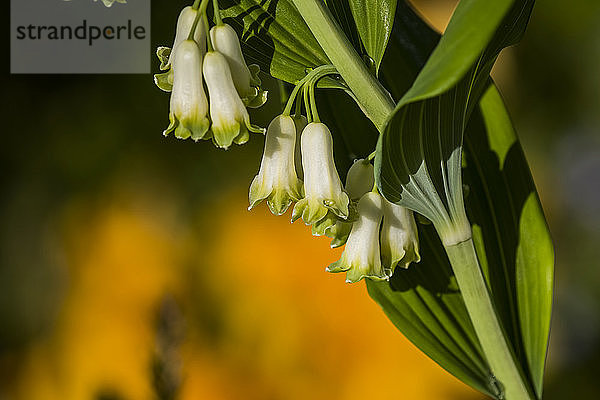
(218, 19)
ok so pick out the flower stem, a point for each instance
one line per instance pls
(217, 12)
(200, 14)
(373, 99)
(312, 77)
(476, 296)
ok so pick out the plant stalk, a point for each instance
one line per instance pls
(476, 296)
(377, 105)
(372, 97)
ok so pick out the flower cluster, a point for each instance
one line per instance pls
(232, 85)
(378, 235)
(298, 164)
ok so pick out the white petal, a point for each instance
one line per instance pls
(399, 237)
(360, 179)
(226, 42)
(301, 122)
(277, 176)
(189, 105)
(184, 26)
(227, 111)
(361, 257)
(322, 183)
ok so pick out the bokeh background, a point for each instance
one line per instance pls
(131, 270)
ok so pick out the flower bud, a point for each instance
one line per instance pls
(361, 258)
(189, 107)
(322, 185)
(360, 179)
(399, 237)
(165, 54)
(277, 181)
(230, 119)
(226, 42)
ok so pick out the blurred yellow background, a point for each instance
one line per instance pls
(281, 327)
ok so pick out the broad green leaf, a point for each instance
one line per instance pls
(275, 37)
(424, 303)
(516, 243)
(374, 21)
(510, 231)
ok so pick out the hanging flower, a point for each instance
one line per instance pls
(184, 25)
(399, 237)
(189, 107)
(230, 119)
(245, 79)
(277, 181)
(322, 185)
(361, 258)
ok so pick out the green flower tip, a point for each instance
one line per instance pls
(185, 129)
(311, 211)
(279, 199)
(321, 227)
(227, 134)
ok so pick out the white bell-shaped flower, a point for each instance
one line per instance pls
(322, 186)
(361, 258)
(189, 106)
(226, 42)
(277, 181)
(230, 119)
(359, 181)
(399, 237)
(165, 54)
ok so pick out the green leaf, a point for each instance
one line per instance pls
(420, 151)
(515, 244)
(275, 37)
(424, 303)
(374, 21)
(419, 158)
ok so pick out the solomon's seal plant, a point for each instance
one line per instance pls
(424, 126)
